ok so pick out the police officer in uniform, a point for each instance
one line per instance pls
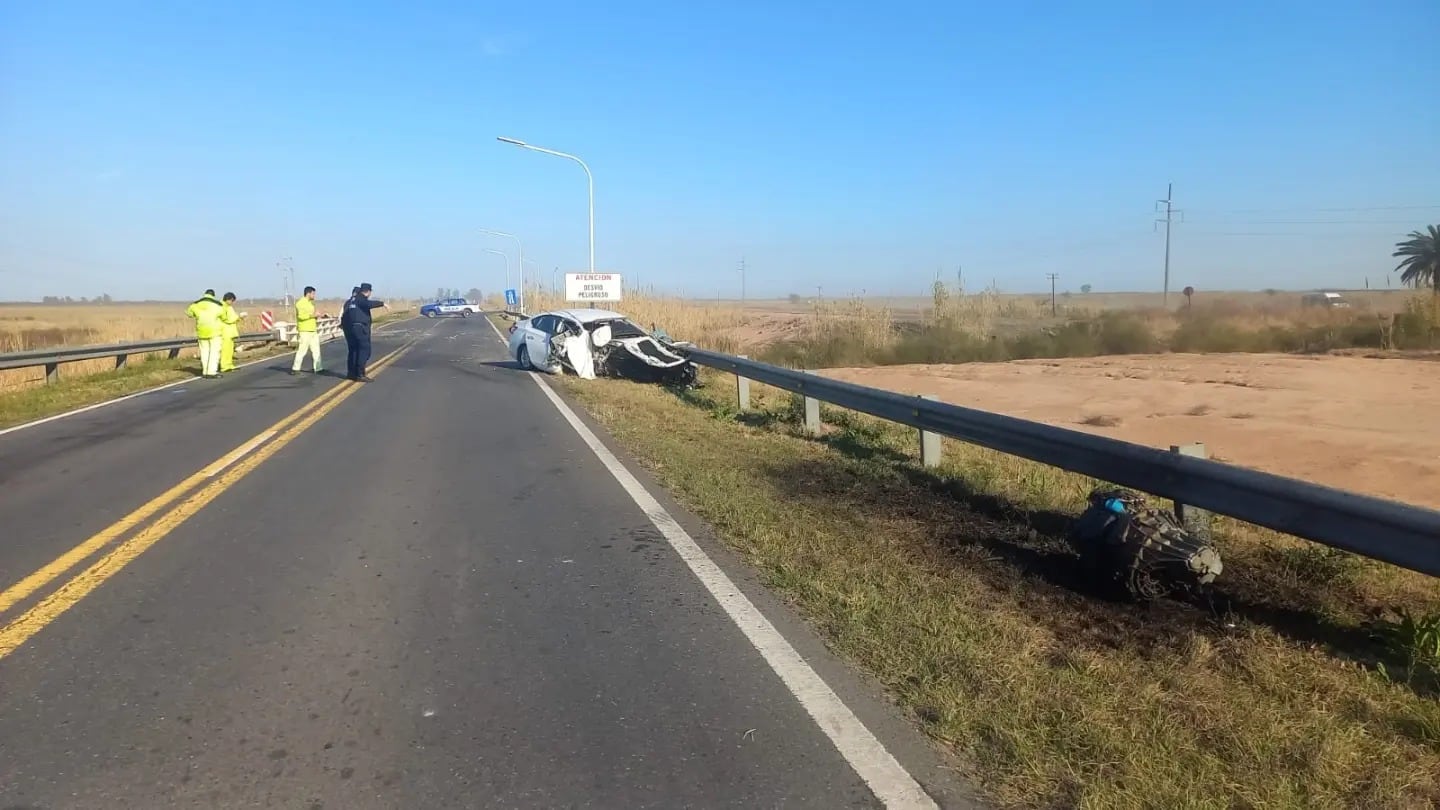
(345, 311)
(357, 333)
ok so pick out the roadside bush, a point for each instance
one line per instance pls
(1203, 333)
(1123, 333)
(943, 345)
(1416, 327)
(831, 350)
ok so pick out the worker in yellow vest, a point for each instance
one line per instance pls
(229, 331)
(206, 313)
(307, 333)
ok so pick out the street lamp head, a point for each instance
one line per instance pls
(510, 140)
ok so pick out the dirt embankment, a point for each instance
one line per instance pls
(1361, 424)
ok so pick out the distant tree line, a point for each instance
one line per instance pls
(58, 299)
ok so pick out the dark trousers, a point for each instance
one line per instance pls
(357, 338)
(350, 353)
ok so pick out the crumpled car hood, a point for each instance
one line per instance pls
(641, 358)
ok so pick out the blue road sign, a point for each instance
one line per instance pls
(512, 298)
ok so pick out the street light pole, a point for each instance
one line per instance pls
(506, 257)
(590, 179)
(521, 246)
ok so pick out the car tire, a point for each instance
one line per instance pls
(464, 313)
(523, 358)
(430, 314)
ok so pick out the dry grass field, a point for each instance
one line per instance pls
(1036, 306)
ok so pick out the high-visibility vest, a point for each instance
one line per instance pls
(206, 312)
(230, 322)
(304, 315)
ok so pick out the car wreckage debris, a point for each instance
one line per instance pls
(1139, 549)
(623, 351)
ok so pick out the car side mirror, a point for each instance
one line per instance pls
(601, 336)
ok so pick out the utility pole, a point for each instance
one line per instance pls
(1170, 212)
(742, 281)
(287, 279)
(1052, 277)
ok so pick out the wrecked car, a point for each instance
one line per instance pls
(597, 343)
(1139, 551)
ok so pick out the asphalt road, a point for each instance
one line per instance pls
(424, 592)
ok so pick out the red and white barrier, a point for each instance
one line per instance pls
(267, 320)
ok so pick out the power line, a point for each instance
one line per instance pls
(1312, 235)
(1323, 210)
(1311, 222)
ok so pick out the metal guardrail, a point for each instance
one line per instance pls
(1408, 536)
(52, 358)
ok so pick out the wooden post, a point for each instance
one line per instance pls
(1196, 521)
(742, 389)
(929, 442)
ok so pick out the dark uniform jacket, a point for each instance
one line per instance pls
(357, 312)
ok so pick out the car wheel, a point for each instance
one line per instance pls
(430, 314)
(523, 358)
(464, 313)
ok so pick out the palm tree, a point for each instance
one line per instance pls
(1421, 265)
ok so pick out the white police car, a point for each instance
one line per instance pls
(450, 306)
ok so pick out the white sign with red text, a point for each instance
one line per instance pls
(592, 288)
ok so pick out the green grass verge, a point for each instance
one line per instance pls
(956, 592)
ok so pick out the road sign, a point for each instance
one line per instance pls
(267, 320)
(592, 288)
(512, 298)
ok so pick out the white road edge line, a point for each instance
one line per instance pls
(98, 405)
(885, 776)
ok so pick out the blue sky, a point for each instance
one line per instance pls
(154, 149)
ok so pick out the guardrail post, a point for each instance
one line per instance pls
(120, 361)
(52, 373)
(1196, 521)
(742, 388)
(812, 414)
(175, 352)
(929, 442)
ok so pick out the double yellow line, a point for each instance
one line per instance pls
(204, 487)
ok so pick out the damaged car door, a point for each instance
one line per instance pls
(537, 342)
